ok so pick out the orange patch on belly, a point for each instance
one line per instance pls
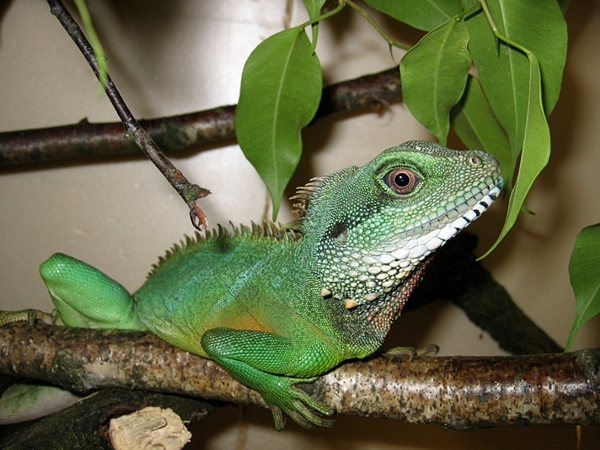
(240, 322)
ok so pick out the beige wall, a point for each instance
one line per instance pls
(119, 214)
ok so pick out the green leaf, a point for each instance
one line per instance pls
(584, 270)
(477, 126)
(540, 27)
(536, 149)
(422, 14)
(504, 73)
(280, 93)
(434, 73)
(503, 69)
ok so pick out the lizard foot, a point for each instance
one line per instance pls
(29, 315)
(297, 404)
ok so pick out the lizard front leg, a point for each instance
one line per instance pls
(271, 365)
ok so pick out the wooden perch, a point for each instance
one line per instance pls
(85, 425)
(457, 392)
(456, 275)
(179, 132)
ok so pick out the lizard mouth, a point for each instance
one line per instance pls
(455, 219)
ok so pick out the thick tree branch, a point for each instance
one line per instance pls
(456, 275)
(458, 392)
(182, 131)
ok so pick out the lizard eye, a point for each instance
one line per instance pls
(402, 181)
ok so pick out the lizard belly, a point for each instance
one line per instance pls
(182, 302)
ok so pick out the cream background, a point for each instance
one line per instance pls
(181, 56)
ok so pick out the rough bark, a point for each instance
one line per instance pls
(457, 392)
(85, 425)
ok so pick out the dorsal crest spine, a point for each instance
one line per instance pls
(303, 196)
(265, 229)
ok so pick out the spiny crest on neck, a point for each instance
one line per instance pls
(316, 191)
(303, 196)
(261, 230)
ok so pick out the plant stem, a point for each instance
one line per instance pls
(94, 40)
(498, 34)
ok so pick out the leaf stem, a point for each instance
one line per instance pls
(327, 15)
(496, 30)
(470, 12)
(94, 40)
(365, 14)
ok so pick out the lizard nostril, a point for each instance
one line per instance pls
(475, 161)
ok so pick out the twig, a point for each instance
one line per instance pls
(189, 192)
(182, 131)
(457, 392)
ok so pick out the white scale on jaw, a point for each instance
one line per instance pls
(370, 274)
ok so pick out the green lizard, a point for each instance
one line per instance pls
(275, 305)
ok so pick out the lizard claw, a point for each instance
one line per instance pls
(31, 316)
(300, 406)
(412, 353)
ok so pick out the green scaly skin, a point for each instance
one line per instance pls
(276, 307)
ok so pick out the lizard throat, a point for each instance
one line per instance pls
(370, 323)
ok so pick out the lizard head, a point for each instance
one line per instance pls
(369, 228)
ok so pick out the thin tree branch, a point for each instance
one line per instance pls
(182, 131)
(189, 192)
(458, 392)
